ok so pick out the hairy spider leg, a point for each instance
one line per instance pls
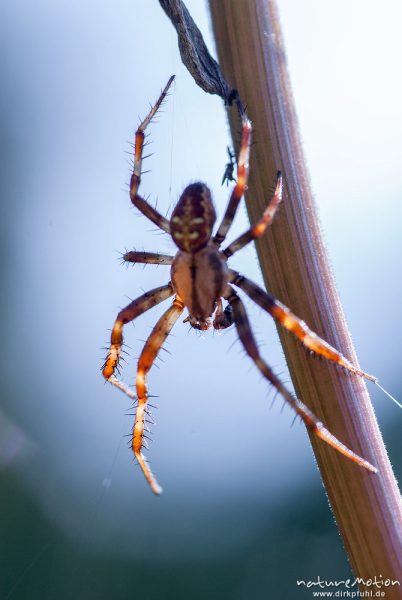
(241, 183)
(310, 420)
(128, 314)
(151, 213)
(145, 362)
(294, 324)
(148, 258)
(259, 228)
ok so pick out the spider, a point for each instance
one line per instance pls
(200, 280)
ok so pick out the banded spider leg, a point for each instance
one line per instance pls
(280, 313)
(127, 315)
(145, 362)
(276, 309)
(142, 205)
(290, 322)
(148, 355)
(142, 304)
(240, 187)
(310, 420)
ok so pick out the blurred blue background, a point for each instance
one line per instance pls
(78, 520)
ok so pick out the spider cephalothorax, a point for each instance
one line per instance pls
(201, 281)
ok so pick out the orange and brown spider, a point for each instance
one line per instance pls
(200, 280)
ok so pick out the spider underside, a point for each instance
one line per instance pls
(200, 281)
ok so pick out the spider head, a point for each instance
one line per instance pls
(193, 218)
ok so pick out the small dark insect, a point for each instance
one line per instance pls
(229, 169)
(201, 281)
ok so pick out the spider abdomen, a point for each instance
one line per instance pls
(193, 218)
(200, 279)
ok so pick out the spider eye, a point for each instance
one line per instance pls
(193, 218)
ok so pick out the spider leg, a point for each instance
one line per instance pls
(241, 183)
(259, 228)
(128, 314)
(289, 321)
(150, 258)
(308, 417)
(145, 362)
(151, 213)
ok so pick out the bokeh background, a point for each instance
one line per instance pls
(239, 522)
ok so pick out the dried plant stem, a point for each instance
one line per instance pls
(295, 267)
